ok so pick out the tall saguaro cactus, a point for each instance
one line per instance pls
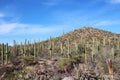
(25, 48)
(61, 48)
(68, 48)
(76, 47)
(50, 47)
(6, 55)
(15, 48)
(2, 56)
(34, 50)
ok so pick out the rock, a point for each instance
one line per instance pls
(68, 78)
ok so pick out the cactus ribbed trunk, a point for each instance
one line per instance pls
(25, 48)
(2, 56)
(34, 51)
(6, 55)
(50, 47)
(68, 48)
(61, 48)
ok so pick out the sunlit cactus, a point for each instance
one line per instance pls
(34, 51)
(50, 47)
(94, 48)
(68, 48)
(14, 49)
(61, 48)
(118, 44)
(24, 51)
(104, 41)
(76, 47)
(6, 53)
(2, 56)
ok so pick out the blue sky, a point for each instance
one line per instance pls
(40, 19)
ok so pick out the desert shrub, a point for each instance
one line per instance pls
(28, 60)
(63, 62)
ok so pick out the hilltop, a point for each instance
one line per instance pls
(87, 33)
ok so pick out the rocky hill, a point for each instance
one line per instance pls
(86, 53)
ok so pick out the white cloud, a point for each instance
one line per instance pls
(114, 1)
(18, 28)
(50, 2)
(55, 2)
(106, 23)
(6, 28)
(1, 15)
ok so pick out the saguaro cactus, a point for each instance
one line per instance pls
(21, 48)
(61, 48)
(2, 56)
(50, 47)
(6, 55)
(25, 48)
(68, 48)
(118, 44)
(35, 50)
(76, 47)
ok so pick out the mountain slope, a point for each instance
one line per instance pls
(87, 33)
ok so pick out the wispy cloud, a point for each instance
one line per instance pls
(6, 28)
(113, 1)
(1, 15)
(106, 23)
(18, 28)
(50, 2)
(56, 2)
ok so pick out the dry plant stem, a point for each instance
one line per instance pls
(110, 66)
(2, 75)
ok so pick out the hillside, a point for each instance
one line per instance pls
(87, 33)
(86, 53)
